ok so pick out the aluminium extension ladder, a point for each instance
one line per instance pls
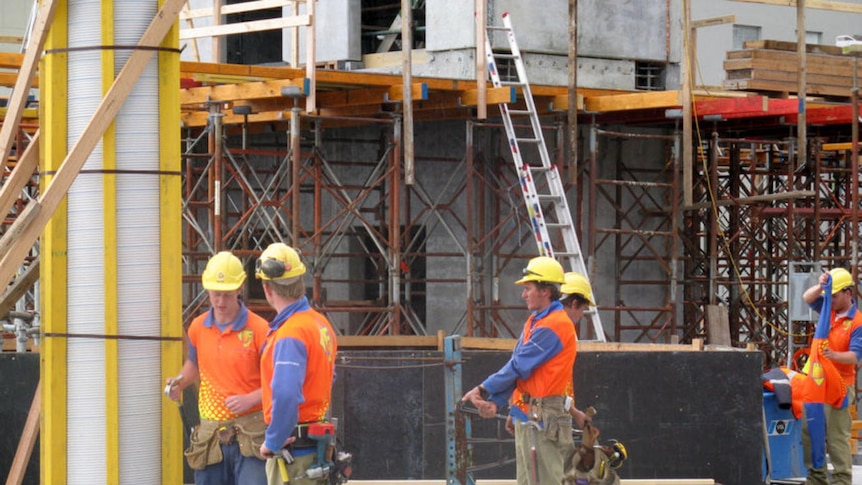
(538, 164)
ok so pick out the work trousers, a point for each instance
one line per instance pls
(548, 460)
(838, 422)
(234, 469)
(294, 471)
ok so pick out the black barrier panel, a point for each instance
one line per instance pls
(19, 375)
(679, 414)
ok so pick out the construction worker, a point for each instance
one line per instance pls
(844, 350)
(297, 368)
(224, 351)
(576, 297)
(537, 379)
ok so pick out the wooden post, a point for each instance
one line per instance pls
(573, 93)
(311, 58)
(216, 41)
(718, 325)
(407, 78)
(481, 62)
(687, 138)
(801, 124)
(27, 441)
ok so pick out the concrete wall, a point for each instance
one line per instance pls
(337, 24)
(776, 22)
(612, 35)
(451, 25)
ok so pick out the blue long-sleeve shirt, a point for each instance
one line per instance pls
(289, 357)
(542, 345)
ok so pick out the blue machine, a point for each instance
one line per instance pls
(784, 436)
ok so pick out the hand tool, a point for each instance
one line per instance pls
(284, 459)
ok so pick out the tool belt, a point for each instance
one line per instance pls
(300, 432)
(206, 439)
(552, 413)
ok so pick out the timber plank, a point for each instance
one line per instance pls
(791, 58)
(789, 77)
(775, 65)
(780, 87)
(783, 45)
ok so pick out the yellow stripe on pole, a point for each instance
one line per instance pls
(53, 85)
(109, 197)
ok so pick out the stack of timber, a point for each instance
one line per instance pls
(772, 66)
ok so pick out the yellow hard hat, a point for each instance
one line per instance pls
(840, 279)
(577, 284)
(279, 262)
(543, 269)
(224, 272)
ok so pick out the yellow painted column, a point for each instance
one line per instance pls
(53, 94)
(170, 186)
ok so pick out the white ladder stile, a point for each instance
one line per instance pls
(550, 191)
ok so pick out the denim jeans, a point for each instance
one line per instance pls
(235, 469)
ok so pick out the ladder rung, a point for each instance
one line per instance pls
(548, 197)
(563, 254)
(497, 27)
(528, 140)
(537, 168)
(512, 83)
(520, 112)
(501, 55)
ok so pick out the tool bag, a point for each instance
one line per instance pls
(579, 471)
(204, 443)
(204, 446)
(251, 433)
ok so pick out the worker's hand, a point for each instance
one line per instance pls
(510, 425)
(579, 417)
(173, 389)
(487, 409)
(473, 395)
(240, 403)
(266, 452)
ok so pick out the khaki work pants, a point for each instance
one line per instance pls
(294, 470)
(838, 422)
(550, 455)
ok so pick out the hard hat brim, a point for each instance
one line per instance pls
(223, 286)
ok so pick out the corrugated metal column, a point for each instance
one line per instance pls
(111, 253)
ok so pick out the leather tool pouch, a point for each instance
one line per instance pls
(251, 432)
(556, 421)
(204, 446)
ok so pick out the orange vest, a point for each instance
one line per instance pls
(314, 331)
(839, 340)
(554, 377)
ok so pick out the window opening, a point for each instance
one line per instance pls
(381, 26)
(649, 76)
